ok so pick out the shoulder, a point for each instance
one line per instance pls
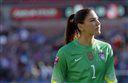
(66, 47)
(106, 47)
(103, 43)
(64, 50)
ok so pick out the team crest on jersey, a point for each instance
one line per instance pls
(56, 60)
(90, 56)
(102, 55)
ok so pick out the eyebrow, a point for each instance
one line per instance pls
(93, 18)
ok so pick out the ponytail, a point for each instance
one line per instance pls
(71, 29)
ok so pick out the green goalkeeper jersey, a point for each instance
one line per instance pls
(76, 63)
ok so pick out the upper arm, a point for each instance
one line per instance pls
(110, 76)
(59, 70)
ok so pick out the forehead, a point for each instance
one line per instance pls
(92, 14)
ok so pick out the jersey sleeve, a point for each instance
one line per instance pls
(59, 69)
(110, 76)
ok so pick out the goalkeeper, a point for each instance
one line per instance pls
(84, 59)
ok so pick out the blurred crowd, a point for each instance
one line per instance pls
(27, 55)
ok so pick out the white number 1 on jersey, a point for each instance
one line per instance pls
(93, 67)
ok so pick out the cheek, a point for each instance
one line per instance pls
(93, 24)
(90, 26)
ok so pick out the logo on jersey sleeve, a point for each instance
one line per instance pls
(56, 60)
(102, 55)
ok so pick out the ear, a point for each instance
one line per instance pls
(80, 26)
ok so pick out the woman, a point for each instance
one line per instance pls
(84, 59)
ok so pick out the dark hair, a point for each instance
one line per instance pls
(72, 22)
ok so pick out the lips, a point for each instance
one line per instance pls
(98, 27)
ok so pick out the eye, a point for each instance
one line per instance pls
(92, 20)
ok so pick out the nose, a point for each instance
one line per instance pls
(98, 22)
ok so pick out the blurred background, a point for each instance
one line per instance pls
(32, 31)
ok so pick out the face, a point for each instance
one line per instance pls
(91, 24)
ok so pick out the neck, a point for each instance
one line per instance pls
(86, 40)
